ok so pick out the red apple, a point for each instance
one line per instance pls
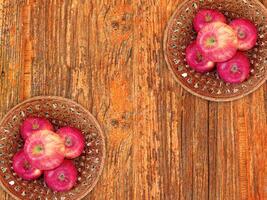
(217, 41)
(196, 60)
(45, 150)
(235, 70)
(207, 16)
(246, 32)
(34, 124)
(74, 141)
(63, 178)
(23, 168)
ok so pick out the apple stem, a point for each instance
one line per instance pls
(241, 33)
(211, 41)
(35, 125)
(234, 68)
(199, 57)
(208, 17)
(38, 149)
(26, 165)
(68, 141)
(61, 177)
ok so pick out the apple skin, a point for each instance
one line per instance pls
(236, 70)
(207, 16)
(62, 178)
(45, 150)
(74, 141)
(23, 168)
(247, 33)
(217, 41)
(34, 124)
(196, 60)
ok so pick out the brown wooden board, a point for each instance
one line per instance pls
(162, 142)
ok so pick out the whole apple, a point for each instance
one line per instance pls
(62, 178)
(45, 150)
(235, 70)
(246, 32)
(196, 60)
(34, 124)
(74, 141)
(207, 16)
(217, 41)
(23, 167)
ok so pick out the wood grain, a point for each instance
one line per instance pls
(162, 142)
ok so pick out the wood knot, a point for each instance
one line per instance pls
(115, 25)
(2, 74)
(115, 123)
(119, 21)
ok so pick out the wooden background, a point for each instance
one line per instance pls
(162, 142)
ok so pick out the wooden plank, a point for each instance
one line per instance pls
(225, 160)
(10, 60)
(27, 53)
(251, 144)
(162, 142)
(201, 150)
(158, 169)
(94, 68)
(212, 149)
(148, 138)
(113, 75)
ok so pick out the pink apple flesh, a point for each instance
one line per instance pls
(34, 124)
(207, 16)
(217, 42)
(235, 70)
(196, 60)
(62, 178)
(23, 168)
(74, 141)
(246, 32)
(45, 150)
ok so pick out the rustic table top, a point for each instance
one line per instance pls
(162, 142)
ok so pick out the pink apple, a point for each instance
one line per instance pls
(246, 32)
(217, 41)
(196, 60)
(34, 124)
(62, 178)
(23, 168)
(235, 70)
(45, 150)
(74, 141)
(207, 16)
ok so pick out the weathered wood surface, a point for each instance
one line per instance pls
(162, 142)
